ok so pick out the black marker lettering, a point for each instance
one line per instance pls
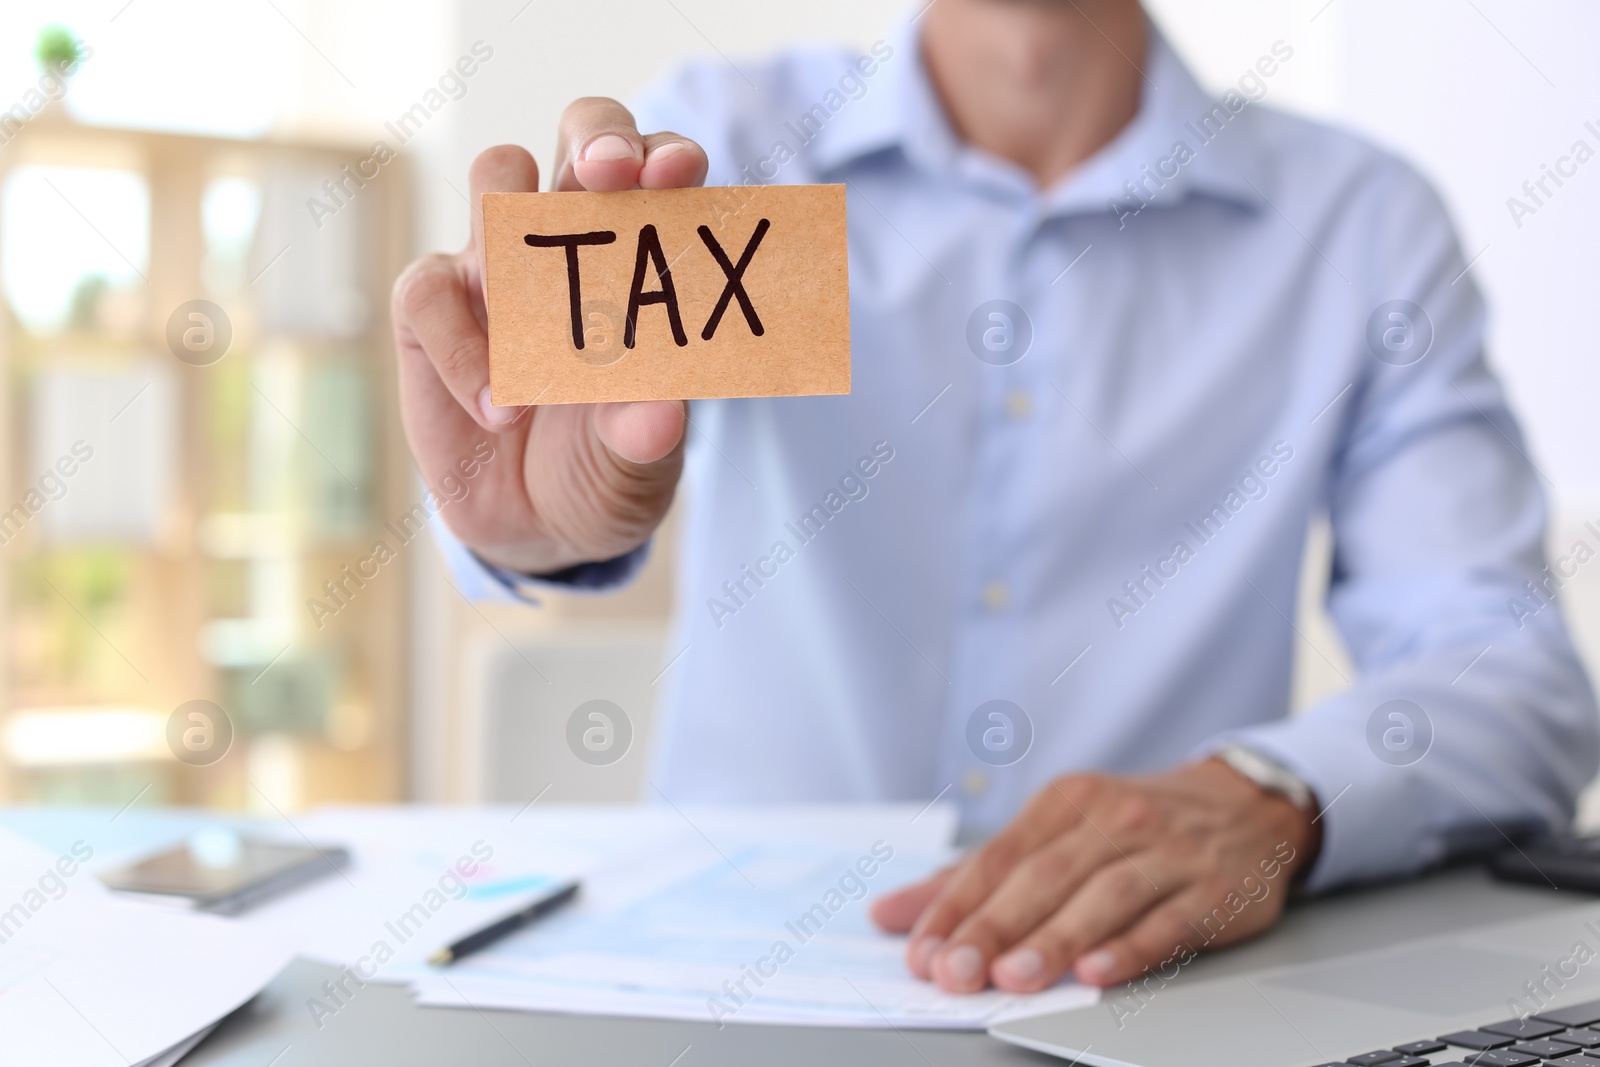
(735, 286)
(571, 241)
(650, 246)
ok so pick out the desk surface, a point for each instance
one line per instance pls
(380, 1024)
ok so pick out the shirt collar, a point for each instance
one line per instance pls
(888, 115)
(901, 111)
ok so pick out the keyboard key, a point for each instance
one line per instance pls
(1406, 1061)
(1372, 1059)
(1422, 1048)
(1502, 1057)
(1586, 1038)
(1545, 1049)
(1524, 1029)
(1475, 1039)
(1576, 1015)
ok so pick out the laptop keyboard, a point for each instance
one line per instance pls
(1562, 1037)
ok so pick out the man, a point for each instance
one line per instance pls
(1115, 343)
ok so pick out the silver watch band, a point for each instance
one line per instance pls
(1269, 774)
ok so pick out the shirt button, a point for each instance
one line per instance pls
(974, 783)
(996, 596)
(1019, 404)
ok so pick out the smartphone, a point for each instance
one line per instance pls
(218, 870)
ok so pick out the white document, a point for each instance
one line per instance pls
(753, 917)
(404, 893)
(421, 877)
(178, 1051)
(87, 980)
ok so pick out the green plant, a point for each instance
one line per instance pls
(56, 47)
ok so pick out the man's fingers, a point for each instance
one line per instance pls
(505, 168)
(1198, 917)
(433, 307)
(672, 162)
(1112, 900)
(1035, 890)
(598, 146)
(641, 431)
(897, 911)
(1162, 939)
(1052, 812)
(968, 887)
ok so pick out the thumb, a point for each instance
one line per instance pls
(641, 432)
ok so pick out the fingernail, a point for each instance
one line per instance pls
(608, 147)
(671, 148)
(964, 963)
(922, 951)
(1099, 964)
(1020, 966)
(495, 416)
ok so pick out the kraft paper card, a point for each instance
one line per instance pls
(672, 294)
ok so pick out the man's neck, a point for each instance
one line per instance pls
(1043, 83)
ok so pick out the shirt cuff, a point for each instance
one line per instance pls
(478, 579)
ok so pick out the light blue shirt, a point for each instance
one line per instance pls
(1096, 509)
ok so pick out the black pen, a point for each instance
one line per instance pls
(501, 927)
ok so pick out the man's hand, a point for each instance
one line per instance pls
(1105, 877)
(570, 483)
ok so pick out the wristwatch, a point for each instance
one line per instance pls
(1269, 774)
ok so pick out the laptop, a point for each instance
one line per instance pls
(1513, 994)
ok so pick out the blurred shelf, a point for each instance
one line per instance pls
(225, 485)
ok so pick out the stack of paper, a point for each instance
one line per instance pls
(754, 917)
(87, 980)
(420, 877)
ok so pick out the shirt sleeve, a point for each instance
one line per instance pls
(1472, 718)
(478, 580)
